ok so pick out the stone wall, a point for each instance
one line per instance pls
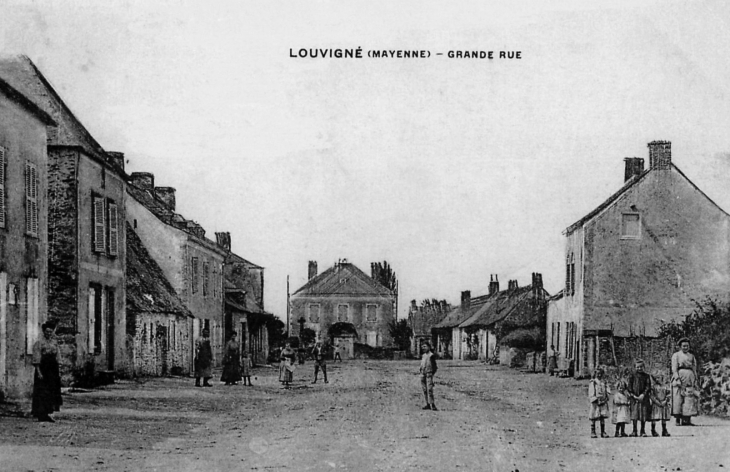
(162, 344)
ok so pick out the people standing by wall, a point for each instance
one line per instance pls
(684, 379)
(203, 360)
(621, 413)
(598, 397)
(337, 352)
(232, 361)
(47, 379)
(427, 370)
(320, 362)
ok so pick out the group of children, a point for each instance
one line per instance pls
(637, 397)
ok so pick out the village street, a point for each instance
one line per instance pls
(368, 417)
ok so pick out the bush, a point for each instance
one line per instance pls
(707, 328)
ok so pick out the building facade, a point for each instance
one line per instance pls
(421, 319)
(639, 258)
(23, 238)
(345, 294)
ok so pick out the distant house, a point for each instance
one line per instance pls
(244, 310)
(343, 293)
(159, 325)
(510, 321)
(192, 263)
(640, 257)
(451, 342)
(86, 240)
(421, 319)
(23, 238)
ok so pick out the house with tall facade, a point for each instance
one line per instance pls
(192, 263)
(23, 238)
(421, 319)
(86, 239)
(641, 257)
(345, 294)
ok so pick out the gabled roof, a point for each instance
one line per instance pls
(23, 101)
(21, 74)
(458, 315)
(343, 279)
(147, 288)
(500, 306)
(235, 258)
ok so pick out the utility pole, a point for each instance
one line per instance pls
(288, 307)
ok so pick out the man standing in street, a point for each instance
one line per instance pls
(203, 360)
(319, 361)
(427, 371)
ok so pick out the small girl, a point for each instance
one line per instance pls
(621, 405)
(661, 395)
(246, 368)
(598, 396)
(690, 406)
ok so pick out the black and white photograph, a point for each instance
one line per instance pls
(364, 235)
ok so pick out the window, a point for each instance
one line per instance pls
(33, 321)
(194, 271)
(342, 312)
(570, 275)
(113, 229)
(3, 166)
(314, 312)
(31, 199)
(99, 223)
(206, 278)
(630, 226)
(372, 313)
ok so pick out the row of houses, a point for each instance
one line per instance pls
(644, 256)
(129, 282)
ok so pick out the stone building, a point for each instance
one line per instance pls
(191, 263)
(86, 243)
(159, 325)
(641, 256)
(244, 293)
(23, 238)
(344, 293)
(450, 341)
(421, 319)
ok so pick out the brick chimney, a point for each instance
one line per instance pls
(493, 284)
(223, 239)
(116, 158)
(312, 270)
(512, 285)
(537, 288)
(465, 300)
(634, 167)
(167, 195)
(143, 180)
(660, 155)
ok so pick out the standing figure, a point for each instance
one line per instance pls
(337, 352)
(621, 405)
(286, 365)
(203, 360)
(598, 396)
(552, 361)
(319, 361)
(661, 396)
(684, 375)
(301, 354)
(640, 395)
(428, 370)
(232, 361)
(246, 368)
(46, 379)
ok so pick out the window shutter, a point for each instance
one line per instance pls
(194, 270)
(206, 278)
(32, 327)
(34, 201)
(113, 230)
(91, 320)
(2, 187)
(99, 227)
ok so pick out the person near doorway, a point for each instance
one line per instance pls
(428, 370)
(203, 360)
(232, 361)
(46, 379)
(337, 352)
(552, 361)
(318, 353)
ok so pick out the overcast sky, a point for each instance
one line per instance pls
(449, 169)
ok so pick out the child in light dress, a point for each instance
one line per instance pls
(690, 406)
(246, 368)
(621, 405)
(598, 392)
(661, 407)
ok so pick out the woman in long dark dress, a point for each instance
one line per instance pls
(47, 380)
(232, 362)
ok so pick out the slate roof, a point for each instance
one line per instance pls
(23, 101)
(458, 315)
(500, 306)
(147, 288)
(236, 259)
(21, 74)
(343, 279)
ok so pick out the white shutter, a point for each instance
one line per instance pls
(31, 303)
(99, 226)
(3, 164)
(34, 200)
(3, 328)
(92, 319)
(113, 230)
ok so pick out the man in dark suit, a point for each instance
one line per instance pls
(318, 353)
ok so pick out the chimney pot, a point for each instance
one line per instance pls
(167, 195)
(116, 158)
(312, 269)
(634, 166)
(465, 300)
(143, 180)
(660, 155)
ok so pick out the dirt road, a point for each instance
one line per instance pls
(367, 418)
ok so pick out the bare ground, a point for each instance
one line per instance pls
(367, 418)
